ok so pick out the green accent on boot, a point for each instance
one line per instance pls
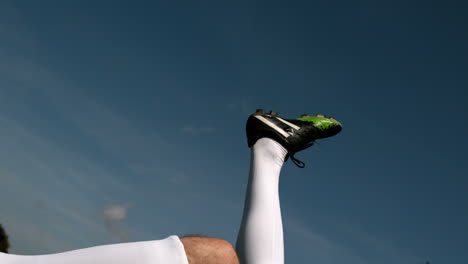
(321, 122)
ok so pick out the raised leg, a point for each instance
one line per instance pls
(260, 238)
(271, 138)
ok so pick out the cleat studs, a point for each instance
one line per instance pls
(321, 116)
(304, 115)
(273, 113)
(259, 111)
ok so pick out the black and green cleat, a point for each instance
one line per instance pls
(293, 134)
(327, 126)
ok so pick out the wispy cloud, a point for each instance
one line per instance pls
(379, 246)
(353, 246)
(59, 187)
(71, 180)
(114, 215)
(320, 248)
(45, 184)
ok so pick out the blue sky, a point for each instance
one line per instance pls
(124, 121)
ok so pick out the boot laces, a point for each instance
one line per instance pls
(297, 162)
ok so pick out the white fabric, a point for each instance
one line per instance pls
(165, 251)
(260, 239)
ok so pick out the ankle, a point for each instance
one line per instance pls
(271, 149)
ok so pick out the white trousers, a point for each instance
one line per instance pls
(260, 239)
(165, 251)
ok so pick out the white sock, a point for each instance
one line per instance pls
(260, 239)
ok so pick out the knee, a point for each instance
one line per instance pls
(207, 250)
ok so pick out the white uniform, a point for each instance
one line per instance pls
(165, 251)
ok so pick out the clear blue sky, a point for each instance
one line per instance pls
(124, 121)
